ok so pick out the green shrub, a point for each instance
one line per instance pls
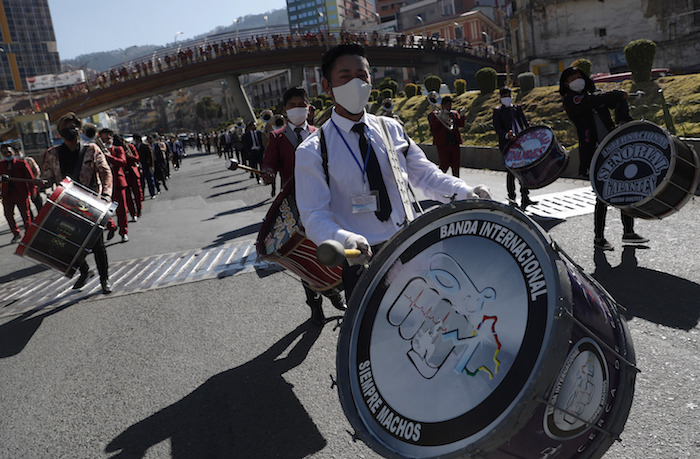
(374, 95)
(640, 59)
(387, 94)
(460, 86)
(526, 81)
(486, 80)
(411, 90)
(584, 64)
(432, 83)
(388, 83)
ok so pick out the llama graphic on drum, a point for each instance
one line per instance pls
(443, 313)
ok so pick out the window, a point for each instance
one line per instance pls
(600, 32)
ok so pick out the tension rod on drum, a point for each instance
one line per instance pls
(603, 343)
(587, 423)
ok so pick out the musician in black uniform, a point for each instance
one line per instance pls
(508, 121)
(590, 112)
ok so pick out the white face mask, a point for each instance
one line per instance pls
(578, 85)
(507, 101)
(353, 95)
(297, 115)
(109, 145)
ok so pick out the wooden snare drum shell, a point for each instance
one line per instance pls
(673, 188)
(282, 240)
(544, 170)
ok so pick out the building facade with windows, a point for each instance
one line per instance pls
(326, 16)
(546, 36)
(27, 42)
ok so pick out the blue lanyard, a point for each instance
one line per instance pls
(369, 145)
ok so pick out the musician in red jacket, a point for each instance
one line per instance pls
(15, 193)
(279, 157)
(117, 160)
(445, 124)
(134, 192)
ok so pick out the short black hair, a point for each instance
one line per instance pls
(330, 56)
(106, 131)
(296, 91)
(505, 91)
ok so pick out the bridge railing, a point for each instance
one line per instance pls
(231, 43)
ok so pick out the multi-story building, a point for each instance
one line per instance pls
(327, 15)
(548, 35)
(28, 43)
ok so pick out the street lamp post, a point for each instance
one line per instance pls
(177, 34)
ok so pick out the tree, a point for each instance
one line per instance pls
(487, 80)
(207, 109)
(584, 65)
(432, 83)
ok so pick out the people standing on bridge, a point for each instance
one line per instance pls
(253, 146)
(590, 112)
(445, 124)
(346, 189)
(116, 157)
(84, 164)
(15, 193)
(134, 192)
(279, 158)
(508, 121)
(148, 165)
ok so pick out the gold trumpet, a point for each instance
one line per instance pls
(434, 98)
(442, 115)
(278, 121)
(388, 105)
(266, 115)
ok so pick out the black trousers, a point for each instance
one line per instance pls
(100, 252)
(510, 186)
(601, 210)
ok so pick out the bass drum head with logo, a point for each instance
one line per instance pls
(643, 170)
(535, 157)
(452, 334)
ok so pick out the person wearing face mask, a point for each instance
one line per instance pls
(445, 124)
(589, 110)
(345, 186)
(116, 157)
(508, 121)
(15, 193)
(279, 157)
(87, 165)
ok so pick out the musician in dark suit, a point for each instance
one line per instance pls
(508, 121)
(253, 146)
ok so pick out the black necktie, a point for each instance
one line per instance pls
(374, 174)
(298, 130)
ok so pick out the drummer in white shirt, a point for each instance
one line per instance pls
(344, 198)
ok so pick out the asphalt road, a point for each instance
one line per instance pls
(230, 367)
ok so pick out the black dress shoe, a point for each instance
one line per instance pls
(110, 233)
(317, 317)
(527, 202)
(82, 280)
(339, 303)
(106, 286)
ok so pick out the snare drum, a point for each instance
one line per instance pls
(282, 240)
(470, 334)
(643, 170)
(66, 227)
(535, 157)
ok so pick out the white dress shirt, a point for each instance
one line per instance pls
(326, 209)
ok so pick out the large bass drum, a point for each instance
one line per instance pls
(66, 228)
(471, 335)
(643, 170)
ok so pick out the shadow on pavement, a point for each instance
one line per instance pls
(651, 295)
(15, 334)
(240, 232)
(249, 412)
(22, 273)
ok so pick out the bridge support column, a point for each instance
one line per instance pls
(240, 99)
(297, 76)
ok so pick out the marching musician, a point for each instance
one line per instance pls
(15, 193)
(590, 112)
(508, 121)
(84, 164)
(116, 157)
(253, 146)
(279, 157)
(345, 186)
(445, 124)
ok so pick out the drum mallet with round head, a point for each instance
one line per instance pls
(233, 165)
(332, 253)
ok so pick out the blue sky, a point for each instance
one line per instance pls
(84, 26)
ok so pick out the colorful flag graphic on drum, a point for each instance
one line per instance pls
(456, 335)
